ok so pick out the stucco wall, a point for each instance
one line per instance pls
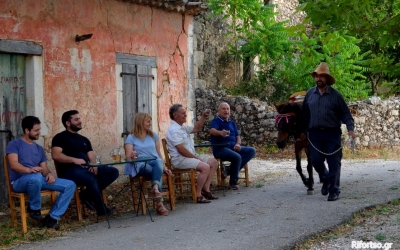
(82, 75)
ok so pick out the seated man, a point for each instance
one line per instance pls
(182, 153)
(70, 150)
(224, 130)
(29, 174)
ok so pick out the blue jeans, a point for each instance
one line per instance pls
(32, 184)
(327, 142)
(94, 183)
(238, 159)
(153, 170)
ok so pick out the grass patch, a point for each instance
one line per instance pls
(347, 227)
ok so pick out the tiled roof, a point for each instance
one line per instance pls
(190, 7)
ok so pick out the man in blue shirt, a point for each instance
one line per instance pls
(324, 110)
(29, 174)
(224, 130)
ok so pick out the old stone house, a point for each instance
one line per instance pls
(108, 59)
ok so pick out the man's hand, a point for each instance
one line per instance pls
(224, 133)
(206, 113)
(237, 147)
(36, 169)
(167, 172)
(93, 170)
(50, 178)
(77, 161)
(352, 134)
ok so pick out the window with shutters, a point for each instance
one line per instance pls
(137, 80)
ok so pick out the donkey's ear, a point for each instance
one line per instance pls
(279, 106)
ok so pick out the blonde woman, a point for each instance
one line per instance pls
(146, 143)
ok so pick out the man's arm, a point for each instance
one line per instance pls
(222, 133)
(58, 156)
(46, 173)
(199, 124)
(18, 167)
(184, 152)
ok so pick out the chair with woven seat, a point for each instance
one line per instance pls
(221, 181)
(169, 191)
(182, 177)
(21, 197)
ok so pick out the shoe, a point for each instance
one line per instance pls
(86, 201)
(161, 210)
(208, 195)
(325, 188)
(225, 171)
(50, 222)
(34, 214)
(152, 194)
(108, 211)
(233, 185)
(201, 199)
(333, 197)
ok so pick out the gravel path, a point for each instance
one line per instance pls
(274, 213)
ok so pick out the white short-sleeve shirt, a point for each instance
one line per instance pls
(177, 134)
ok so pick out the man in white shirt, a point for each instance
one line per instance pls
(183, 155)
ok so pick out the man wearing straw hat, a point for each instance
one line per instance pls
(324, 110)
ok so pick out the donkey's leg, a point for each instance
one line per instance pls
(297, 151)
(310, 173)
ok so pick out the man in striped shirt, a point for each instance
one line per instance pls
(324, 110)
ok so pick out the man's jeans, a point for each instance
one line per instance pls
(32, 184)
(238, 159)
(94, 183)
(327, 142)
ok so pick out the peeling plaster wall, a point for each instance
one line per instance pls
(82, 75)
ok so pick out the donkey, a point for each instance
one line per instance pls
(289, 124)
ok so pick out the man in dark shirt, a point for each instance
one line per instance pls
(324, 110)
(224, 130)
(69, 151)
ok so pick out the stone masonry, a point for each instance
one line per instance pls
(377, 122)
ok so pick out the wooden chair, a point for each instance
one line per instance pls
(79, 207)
(135, 187)
(180, 180)
(221, 180)
(14, 208)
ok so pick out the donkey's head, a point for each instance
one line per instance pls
(287, 121)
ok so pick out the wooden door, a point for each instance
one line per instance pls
(12, 105)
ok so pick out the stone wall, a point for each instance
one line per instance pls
(377, 122)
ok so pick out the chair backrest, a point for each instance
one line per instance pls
(9, 187)
(166, 154)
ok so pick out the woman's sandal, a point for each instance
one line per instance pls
(201, 199)
(161, 210)
(208, 195)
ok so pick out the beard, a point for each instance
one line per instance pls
(33, 138)
(75, 128)
(321, 84)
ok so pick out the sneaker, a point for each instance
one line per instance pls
(233, 185)
(50, 222)
(325, 188)
(34, 214)
(108, 211)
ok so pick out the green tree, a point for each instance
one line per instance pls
(375, 22)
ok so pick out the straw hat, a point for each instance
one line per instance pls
(323, 69)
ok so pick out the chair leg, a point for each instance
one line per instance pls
(78, 205)
(171, 193)
(23, 214)
(219, 170)
(143, 199)
(246, 174)
(13, 212)
(193, 183)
